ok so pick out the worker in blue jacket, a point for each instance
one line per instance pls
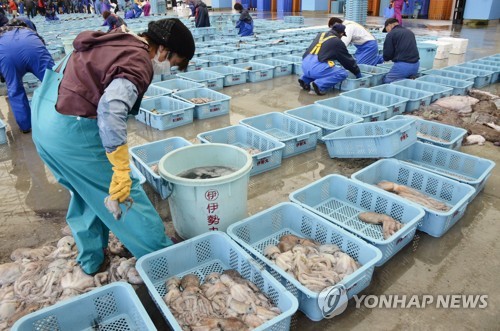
(318, 64)
(245, 23)
(22, 50)
(400, 47)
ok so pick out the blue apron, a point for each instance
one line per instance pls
(72, 149)
(367, 53)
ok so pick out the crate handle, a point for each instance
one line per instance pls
(405, 128)
(264, 155)
(303, 136)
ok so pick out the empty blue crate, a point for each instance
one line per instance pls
(148, 155)
(327, 119)
(30, 82)
(114, 306)
(452, 193)
(340, 200)
(438, 91)
(197, 64)
(217, 60)
(416, 98)
(450, 74)
(178, 84)
(257, 72)
(371, 140)
(281, 68)
(205, 254)
(156, 91)
(352, 83)
(395, 104)
(377, 73)
(259, 54)
(207, 78)
(219, 104)
(266, 151)
(460, 87)
(232, 75)
(465, 168)
(436, 133)
(294, 19)
(165, 113)
(482, 77)
(368, 111)
(3, 133)
(483, 67)
(298, 136)
(296, 62)
(240, 56)
(266, 228)
(278, 51)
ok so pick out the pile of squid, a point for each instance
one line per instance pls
(40, 277)
(224, 301)
(413, 195)
(200, 101)
(314, 265)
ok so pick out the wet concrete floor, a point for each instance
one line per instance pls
(464, 261)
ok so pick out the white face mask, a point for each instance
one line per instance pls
(160, 68)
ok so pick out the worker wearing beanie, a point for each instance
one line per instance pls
(365, 43)
(80, 131)
(318, 64)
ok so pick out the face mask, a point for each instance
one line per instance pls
(160, 68)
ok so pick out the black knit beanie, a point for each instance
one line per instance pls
(173, 34)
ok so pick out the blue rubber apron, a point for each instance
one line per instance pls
(72, 149)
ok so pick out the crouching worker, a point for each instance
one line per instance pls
(245, 23)
(365, 43)
(400, 47)
(318, 64)
(80, 131)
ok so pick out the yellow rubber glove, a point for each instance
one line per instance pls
(120, 185)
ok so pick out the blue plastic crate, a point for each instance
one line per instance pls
(460, 87)
(368, 111)
(294, 19)
(170, 113)
(257, 232)
(232, 75)
(439, 91)
(241, 56)
(202, 255)
(147, 155)
(298, 136)
(3, 133)
(281, 68)
(465, 168)
(30, 82)
(114, 306)
(352, 83)
(483, 67)
(295, 49)
(327, 119)
(257, 72)
(156, 91)
(450, 74)
(340, 200)
(395, 104)
(427, 53)
(271, 150)
(296, 62)
(197, 64)
(377, 73)
(491, 63)
(217, 60)
(217, 107)
(209, 79)
(482, 77)
(278, 51)
(297, 68)
(203, 31)
(178, 84)
(436, 133)
(259, 54)
(454, 194)
(371, 140)
(416, 98)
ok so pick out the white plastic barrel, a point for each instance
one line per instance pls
(201, 205)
